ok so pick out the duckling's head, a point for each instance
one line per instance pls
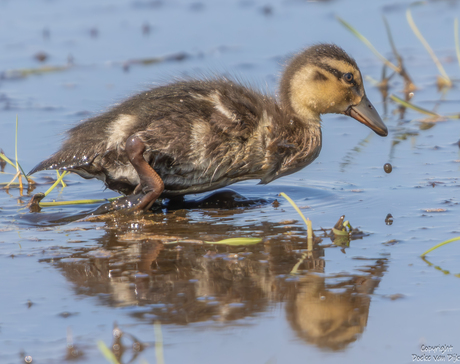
(324, 79)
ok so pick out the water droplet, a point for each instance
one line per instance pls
(28, 359)
(387, 168)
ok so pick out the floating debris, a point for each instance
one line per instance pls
(387, 168)
(435, 210)
(34, 203)
(3, 162)
(41, 56)
(396, 296)
(24, 72)
(389, 219)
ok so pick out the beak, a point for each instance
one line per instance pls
(365, 113)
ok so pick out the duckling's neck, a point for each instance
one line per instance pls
(304, 114)
(299, 101)
(308, 115)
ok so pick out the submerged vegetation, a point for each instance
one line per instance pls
(19, 171)
(444, 82)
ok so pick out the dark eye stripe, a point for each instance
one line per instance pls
(336, 72)
(331, 70)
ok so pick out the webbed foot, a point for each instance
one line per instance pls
(127, 203)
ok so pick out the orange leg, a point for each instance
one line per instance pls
(151, 183)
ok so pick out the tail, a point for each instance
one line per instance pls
(64, 159)
(44, 165)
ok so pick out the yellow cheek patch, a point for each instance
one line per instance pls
(315, 91)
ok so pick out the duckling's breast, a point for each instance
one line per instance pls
(293, 146)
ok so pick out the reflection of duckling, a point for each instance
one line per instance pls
(328, 319)
(199, 135)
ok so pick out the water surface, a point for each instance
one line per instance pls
(70, 283)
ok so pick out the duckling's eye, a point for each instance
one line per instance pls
(348, 77)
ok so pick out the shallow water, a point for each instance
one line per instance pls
(68, 282)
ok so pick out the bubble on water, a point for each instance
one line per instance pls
(387, 168)
(28, 359)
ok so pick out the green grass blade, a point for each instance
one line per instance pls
(457, 41)
(236, 241)
(413, 107)
(390, 38)
(7, 160)
(24, 72)
(14, 178)
(22, 171)
(16, 144)
(439, 245)
(297, 265)
(368, 44)
(430, 51)
(309, 235)
(340, 232)
(307, 222)
(9, 183)
(77, 202)
(62, 181)
(56, 183)
(108, 354)
(158, 343)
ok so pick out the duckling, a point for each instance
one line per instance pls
(198, 135)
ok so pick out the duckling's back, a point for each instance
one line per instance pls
(199, 135)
